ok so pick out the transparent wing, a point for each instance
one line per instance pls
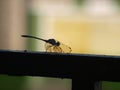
(65, 48)
(62, 48)
(52, 48)
(48, 47)
(57, 49)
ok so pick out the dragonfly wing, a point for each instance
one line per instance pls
(52, 48)
(48, 47)
(65, 48)
(57, 49)
(62, 48)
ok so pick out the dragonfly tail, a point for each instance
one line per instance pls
(28, 36)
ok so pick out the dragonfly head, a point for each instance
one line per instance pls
(53, 42)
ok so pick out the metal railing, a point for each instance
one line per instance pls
(86, 71)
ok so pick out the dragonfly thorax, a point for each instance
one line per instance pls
(53, 42)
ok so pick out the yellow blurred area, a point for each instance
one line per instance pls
(89, 35)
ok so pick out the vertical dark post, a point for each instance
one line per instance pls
(82, 84)
(98, 85)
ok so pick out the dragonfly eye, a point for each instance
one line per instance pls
(57, 43)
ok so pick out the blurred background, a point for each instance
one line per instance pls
(87, 26)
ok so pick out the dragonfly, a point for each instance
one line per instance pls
(52, 45)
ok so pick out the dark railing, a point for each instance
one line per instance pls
(85, 70)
